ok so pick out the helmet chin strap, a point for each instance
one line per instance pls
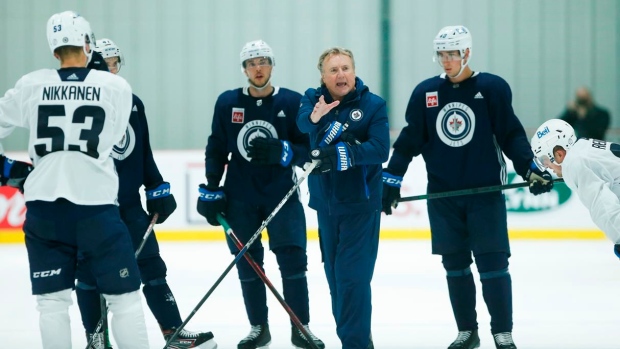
(461, 70)
(89, 55)
(260, 88)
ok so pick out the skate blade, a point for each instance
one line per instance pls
(266, 346)
(210, 344)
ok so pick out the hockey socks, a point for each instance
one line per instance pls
(255, 299)
(296, 296)
(462, 290)
(497, 292)
(88, 300)
(161, 301)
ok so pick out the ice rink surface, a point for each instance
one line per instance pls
(565, 297)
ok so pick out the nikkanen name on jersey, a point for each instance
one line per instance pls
(85, 93)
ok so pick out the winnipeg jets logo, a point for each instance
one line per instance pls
(455, 124)
(170, 298)
(251, 130)
(356, 114)
(125, 146)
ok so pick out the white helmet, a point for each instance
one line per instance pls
(69, 29)
(257, 48)
(107, 48)
(552, 133)
(453, 38)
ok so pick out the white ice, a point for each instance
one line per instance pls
(565, 297)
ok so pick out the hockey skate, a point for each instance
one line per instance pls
(258, 338)
(188, 339)
(101, 340)
(504, 341)
(299, 340)
(466, 340)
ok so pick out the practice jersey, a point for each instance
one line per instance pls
(591, 169)
(461, 131)
(238, 118)
(134, 160)
(75, 116)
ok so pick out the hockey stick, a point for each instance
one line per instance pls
(261, 274)
(104, 308)
(149, 230)
(243, 250)
(461, 192)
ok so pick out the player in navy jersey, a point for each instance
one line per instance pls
(256, 126)
(76, 115)
(136, 167)
(461, 121)
(349, 134)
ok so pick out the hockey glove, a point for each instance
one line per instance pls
(331, 132)
(160, 200)
(14, 173)
(391, 191)
(540, 181)
(270, 151)
(211, 201)
(333, 157)
(617, 250)
(349, 139)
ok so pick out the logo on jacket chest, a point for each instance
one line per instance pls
(251, 130)
(455, 124)
(125, 146)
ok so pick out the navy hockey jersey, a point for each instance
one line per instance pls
(461, 131)
(133, 158)
(237, 119)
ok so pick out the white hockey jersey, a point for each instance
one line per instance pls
(75, 117)
(591, 168)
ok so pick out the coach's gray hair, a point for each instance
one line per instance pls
(331, 52)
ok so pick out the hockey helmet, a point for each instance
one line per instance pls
(550, 134)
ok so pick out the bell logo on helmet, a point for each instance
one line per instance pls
(542, 132)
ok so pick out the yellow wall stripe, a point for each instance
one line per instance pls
(17, 236)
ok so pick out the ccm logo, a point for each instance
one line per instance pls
(285, 149)
(392, 181)
(211, 197)
(162, 192)
(44, 274)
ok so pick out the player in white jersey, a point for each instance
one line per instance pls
(590, 168)
(75, 116)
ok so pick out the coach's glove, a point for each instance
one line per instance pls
(617, 250)
(211, 201)
(330, 133)
(14, 173)
(540, 181)
(333, 157)
(391, 191)
(160, 200)
(270, 151)
(349, 139)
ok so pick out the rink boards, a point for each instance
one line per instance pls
(556, 215)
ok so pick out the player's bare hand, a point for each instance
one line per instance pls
(321, 108)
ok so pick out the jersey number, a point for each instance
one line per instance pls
(56, 134)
